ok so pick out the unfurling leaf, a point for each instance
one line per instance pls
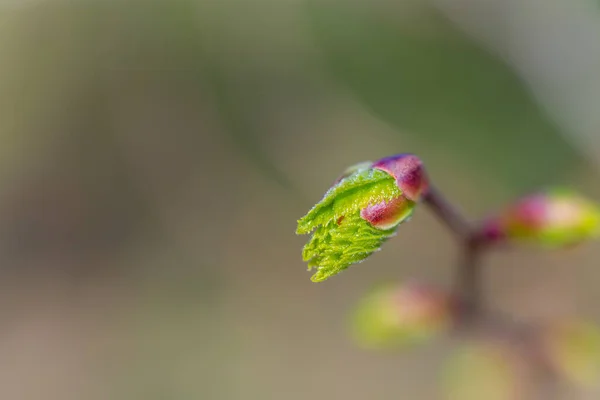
(554, 218)
(398, 316)
(359, 212)
(349, 195)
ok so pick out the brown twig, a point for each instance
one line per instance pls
(448, 214)
(468, 282)
(469, 288)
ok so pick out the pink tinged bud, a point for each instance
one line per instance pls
(409, 172)
(554, 218)
(524, 218)
(400, 316)
(386, 215)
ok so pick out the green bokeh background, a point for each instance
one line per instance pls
(156, 156)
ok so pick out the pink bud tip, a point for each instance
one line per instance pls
(409, 172)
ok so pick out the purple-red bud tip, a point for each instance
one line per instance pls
(409, 172)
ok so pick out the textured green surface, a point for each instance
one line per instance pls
(334, 247)
(341, 237)
(364, 187)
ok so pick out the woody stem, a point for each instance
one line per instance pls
(468, 280)
(448, 214)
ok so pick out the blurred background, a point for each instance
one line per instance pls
(155, 156)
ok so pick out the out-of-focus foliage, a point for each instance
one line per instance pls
(400, 316)
(140, 144)
(425, 77)
(573, 350)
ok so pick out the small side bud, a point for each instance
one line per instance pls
(554, 218)
(572, 349)
(397, 316)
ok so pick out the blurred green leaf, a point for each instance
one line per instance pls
(187, 34)
(424, 76)
(59, 50)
